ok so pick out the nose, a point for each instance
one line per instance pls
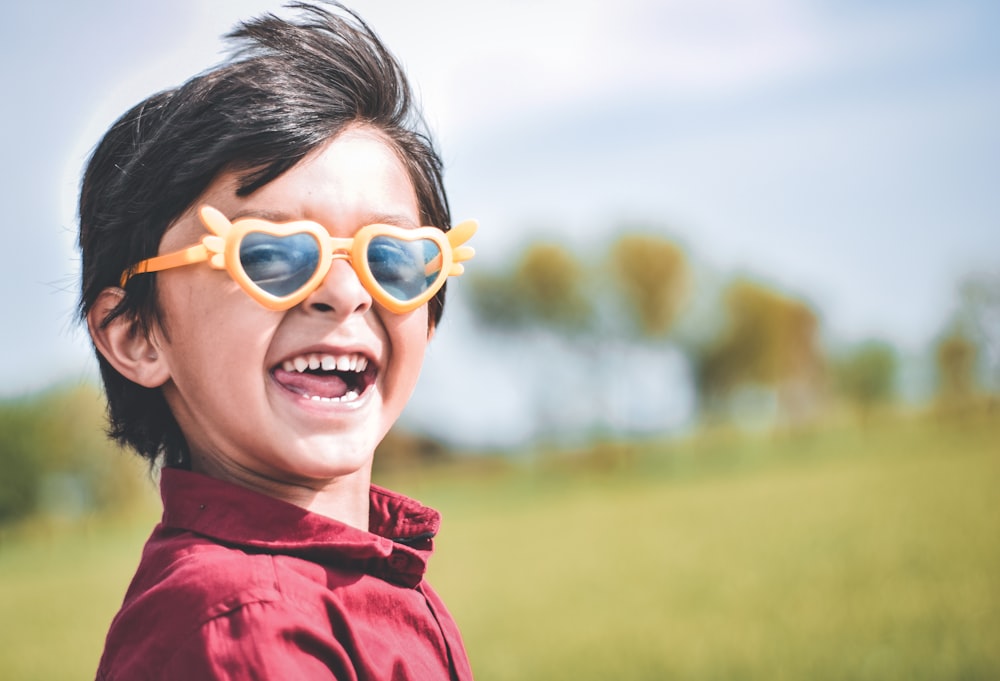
(340, 293)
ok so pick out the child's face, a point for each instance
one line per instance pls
(236, 384)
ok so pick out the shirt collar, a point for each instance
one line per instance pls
(396, 548)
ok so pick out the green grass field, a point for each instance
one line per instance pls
(838, 554)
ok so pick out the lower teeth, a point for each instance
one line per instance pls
(350, 396)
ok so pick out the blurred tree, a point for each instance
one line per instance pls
(643, 286)
(866, 375)
(554, 286)
(56, 458)
(651, 275)
(768, 340)
(956, 370)
(546, 287)
(556, 289)
(20, 480)
(495, 300)
(978, 318)
(544, 295)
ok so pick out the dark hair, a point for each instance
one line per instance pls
(289, 86)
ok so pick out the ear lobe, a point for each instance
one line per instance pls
(132, 353)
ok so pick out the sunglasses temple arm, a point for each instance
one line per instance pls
(189, 256)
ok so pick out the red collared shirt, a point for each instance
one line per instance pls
(237, 585)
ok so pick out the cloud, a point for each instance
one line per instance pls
(489, 65)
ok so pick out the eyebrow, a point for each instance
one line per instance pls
(261, 214)
(395, 219)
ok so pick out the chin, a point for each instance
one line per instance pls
(326, 461)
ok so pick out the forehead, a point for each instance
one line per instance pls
(355, 179)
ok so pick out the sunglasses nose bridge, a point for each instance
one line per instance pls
(335, 255)
(344, 254)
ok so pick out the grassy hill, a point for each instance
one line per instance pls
(835, 554)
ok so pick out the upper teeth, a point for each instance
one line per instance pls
(326, 363)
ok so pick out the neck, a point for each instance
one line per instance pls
(344, 498)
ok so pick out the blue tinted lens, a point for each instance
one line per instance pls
(280, 265)
(401, 267)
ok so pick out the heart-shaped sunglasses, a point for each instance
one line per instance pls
(280, 264)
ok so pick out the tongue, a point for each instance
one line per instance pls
(315, 385)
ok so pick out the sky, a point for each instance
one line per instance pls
(846, 151)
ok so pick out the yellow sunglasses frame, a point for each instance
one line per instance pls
(221, 250)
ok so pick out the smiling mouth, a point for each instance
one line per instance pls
(326, 377)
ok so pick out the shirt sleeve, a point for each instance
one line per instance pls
(261, 640)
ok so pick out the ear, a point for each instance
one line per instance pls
(121, 341)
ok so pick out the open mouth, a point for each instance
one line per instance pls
(326, 377)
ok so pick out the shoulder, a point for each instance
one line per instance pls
(197, 603)
(192, 574)
(258, 640)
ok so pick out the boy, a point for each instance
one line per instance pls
(260, 292)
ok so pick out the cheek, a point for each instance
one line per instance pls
(213, 335)
(409, 343)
